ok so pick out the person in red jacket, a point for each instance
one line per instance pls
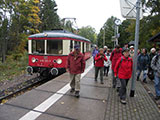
(123, 70)
(99, 64)
(75, 66)
(115, 55)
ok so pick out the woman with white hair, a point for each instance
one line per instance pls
(131, 52)
(150, 70)
(152, 53)
(105, 49)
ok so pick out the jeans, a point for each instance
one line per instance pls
(157, 85)
(115, 81)
(123, 89)
(93, 61)
(106, 68)
(75, 81)
(144, 74)
(97, 71)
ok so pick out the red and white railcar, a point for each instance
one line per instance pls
(48, 51)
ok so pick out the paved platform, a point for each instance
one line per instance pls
(53, 101)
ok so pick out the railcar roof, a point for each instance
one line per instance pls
(58, 34)
(155, 38)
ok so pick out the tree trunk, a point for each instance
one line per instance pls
(3, 51)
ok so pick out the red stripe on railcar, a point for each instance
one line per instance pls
(57, 38)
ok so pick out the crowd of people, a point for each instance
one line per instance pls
(121, 62)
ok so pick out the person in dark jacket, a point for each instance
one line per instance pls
(75, 66)
(123, 70)
(94, 53)
(115, 55)
(125, 46)
(99, 65)
(143, 64)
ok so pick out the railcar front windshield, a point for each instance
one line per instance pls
(38, 46)
(47, 47)
(54, 47)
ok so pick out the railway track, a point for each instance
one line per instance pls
(23, 87)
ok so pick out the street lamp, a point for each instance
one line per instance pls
(117, 24)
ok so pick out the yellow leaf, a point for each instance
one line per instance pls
(62, 103)
(4, 101)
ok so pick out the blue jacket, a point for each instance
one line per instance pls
(143, 62)
(95, 52)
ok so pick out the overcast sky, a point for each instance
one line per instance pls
(89, 12)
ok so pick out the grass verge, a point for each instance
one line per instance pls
(12, 68)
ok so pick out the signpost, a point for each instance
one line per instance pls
(117, 23)
(130, 10)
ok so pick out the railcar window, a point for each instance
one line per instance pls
(38, 46)
(78, 43)
(87, 47)
(54, 47)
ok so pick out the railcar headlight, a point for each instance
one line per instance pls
(33, 60)
(59, 61)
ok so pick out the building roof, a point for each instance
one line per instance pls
(155, 38)
(57, 34)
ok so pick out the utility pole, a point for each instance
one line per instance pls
(104, 37)
(132, 92)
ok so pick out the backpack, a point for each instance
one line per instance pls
(150, 73)
(122, 60)
(156, 59)
(113, 52)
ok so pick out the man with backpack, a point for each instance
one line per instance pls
(123, 70)
(155, 64)
(115, 55)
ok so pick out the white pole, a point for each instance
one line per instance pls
(135, 48)
(117, 35)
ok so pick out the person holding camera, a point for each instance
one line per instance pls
(99, 64)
